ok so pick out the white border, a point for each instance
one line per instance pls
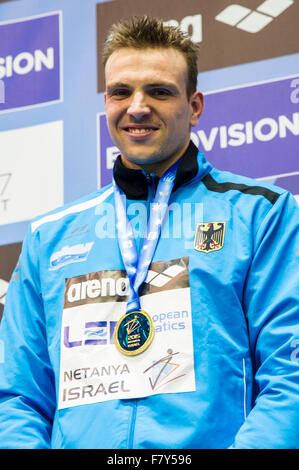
(47, 103)
(246, 85)
(282, 175)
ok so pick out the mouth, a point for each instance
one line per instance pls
(140, 131)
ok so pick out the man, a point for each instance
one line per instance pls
(179, 329)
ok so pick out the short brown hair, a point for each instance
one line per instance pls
(141, 32)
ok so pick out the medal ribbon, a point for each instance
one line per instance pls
(137, 267)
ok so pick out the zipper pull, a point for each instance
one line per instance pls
(151, 185)
(149, 179)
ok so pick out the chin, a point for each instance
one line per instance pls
(143, 159)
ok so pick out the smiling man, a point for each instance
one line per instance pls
(179, 330)
(149, 112)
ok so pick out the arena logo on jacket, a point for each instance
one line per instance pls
(92, 369)
(30, 61)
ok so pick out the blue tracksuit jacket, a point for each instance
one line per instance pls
(222, 290)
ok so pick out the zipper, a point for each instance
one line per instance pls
(132, 425)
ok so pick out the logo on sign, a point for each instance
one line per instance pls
(253, 21)
(30, 59)
(161, 279)
(163, 370)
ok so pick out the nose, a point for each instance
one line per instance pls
(138, 105)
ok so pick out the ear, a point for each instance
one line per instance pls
(105, 98)
(197, 106)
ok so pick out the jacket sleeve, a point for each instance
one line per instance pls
(27, 395)
(271, 303)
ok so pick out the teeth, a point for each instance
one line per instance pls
(138, 131)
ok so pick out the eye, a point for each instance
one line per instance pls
(118, 93)
(161, 93)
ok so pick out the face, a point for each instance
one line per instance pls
(148, 113)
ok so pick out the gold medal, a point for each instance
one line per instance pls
(134, 333)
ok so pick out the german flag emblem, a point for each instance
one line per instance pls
(209, 236)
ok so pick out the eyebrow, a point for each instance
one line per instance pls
(171, 85)
(117, 84)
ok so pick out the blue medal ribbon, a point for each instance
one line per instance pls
(137, 266)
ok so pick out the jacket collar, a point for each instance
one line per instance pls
(134, 182)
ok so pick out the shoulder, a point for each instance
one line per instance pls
(252, 203)
(249, 189)
(80, 206)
